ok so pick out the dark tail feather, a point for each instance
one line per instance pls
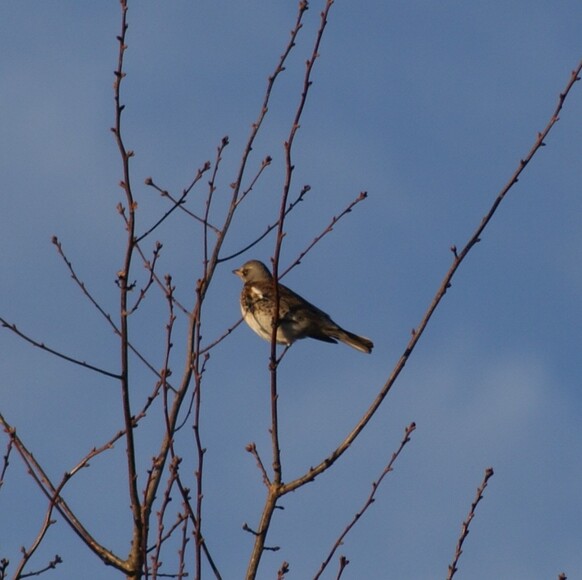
(358, 342)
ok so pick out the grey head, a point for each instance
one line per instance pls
(253, 271)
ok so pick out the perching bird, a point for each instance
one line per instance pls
(297, 317)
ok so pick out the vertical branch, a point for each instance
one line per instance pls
(274, 492)
(289, 167)
(211, 190)
(200, 450)
(138, 546)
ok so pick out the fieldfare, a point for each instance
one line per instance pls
(297, 317)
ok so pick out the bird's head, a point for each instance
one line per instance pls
(253, 271)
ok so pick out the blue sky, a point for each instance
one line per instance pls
(426, 106)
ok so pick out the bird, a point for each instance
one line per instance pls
(298, 318)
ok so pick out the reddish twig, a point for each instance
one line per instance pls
(150, 267)
(252, 449)
(369, 501)
(95, 303)
(211, 190)
(179, 202)
(264, 164)
(182, 553)
(27, 554)
(166, 499)
(270, 228)
(176, 203)
(465, 527)
(50, 566)
(363, 195)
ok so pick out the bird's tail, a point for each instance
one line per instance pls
(358, 342)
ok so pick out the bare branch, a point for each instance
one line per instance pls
(176, 203)
(252, 449)
(166, 499)
(445, 285)
(50, 566)
(265, 163)
(12, 327)
(363, 195)
(228, 331)
(150, 266)
(211, 190)
(369, 501)
(303, 192)
(107, 316)
(52, 492)
(5, 462)
(27, 554)
(276, 486)
(465, 527)
(237, 184)
(343, 562)
(137, 555)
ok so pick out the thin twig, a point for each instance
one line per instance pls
(252, 449)
(369, 501)
(459, 257)
(363, 195)
(176, 203)
(150, 267)
(211, 190)
(182, 551)
(284, 569)
(12, 327)
(162, 286)
(228, 331)
(192, 517)
(27, 554)
(95, 303)
(52, 492)
(270, 228)
(265, 163)
(465, 527)
(50, 566)
(5, 462)
(166, 499)
(164, 193)
(343, 562)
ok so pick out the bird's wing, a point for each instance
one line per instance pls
(295, 307)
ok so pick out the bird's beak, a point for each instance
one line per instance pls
(237, 272)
